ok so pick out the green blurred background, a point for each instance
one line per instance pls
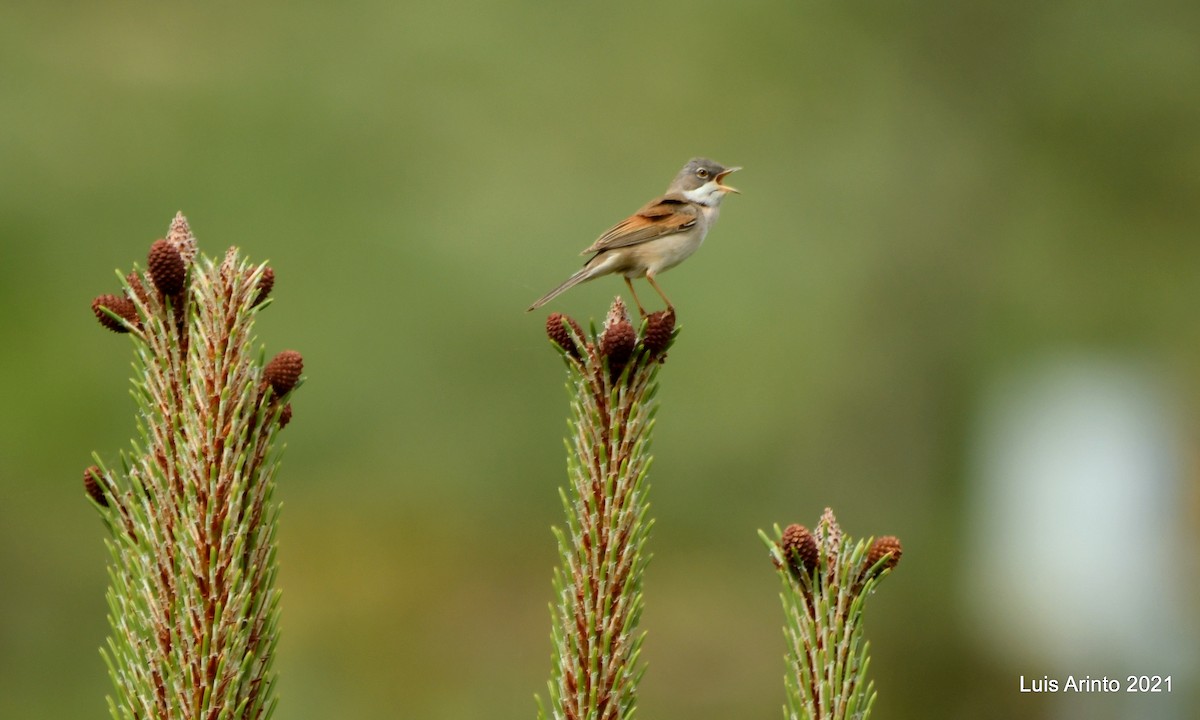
(935, 195)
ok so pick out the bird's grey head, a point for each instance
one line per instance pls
(701, 181)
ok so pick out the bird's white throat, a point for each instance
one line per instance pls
(710, 194)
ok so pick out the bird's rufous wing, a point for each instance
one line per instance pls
(661, 216)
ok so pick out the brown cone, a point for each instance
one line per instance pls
(660, 326)
(283, 372)
(118, 304)
(285, 416)
(266, 282)
(134, 278)
(166, 267)
(888, 545)
(617, 345)
(563, 337)
(799, 549)
(91, 485)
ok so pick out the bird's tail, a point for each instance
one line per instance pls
(583, 274)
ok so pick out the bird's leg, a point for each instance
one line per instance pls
(663, 295)
(641, 310)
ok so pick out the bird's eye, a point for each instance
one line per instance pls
(702, 173)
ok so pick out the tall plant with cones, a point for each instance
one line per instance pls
(598, 584)
(193, 606)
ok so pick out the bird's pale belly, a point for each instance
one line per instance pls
(661, 254)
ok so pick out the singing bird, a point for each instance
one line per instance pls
(664, 233)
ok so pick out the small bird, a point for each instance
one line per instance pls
(664, 233)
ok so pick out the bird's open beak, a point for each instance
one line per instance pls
(723, 186)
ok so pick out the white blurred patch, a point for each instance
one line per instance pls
(1075, 533)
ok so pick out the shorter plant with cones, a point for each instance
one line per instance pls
(826, 580)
